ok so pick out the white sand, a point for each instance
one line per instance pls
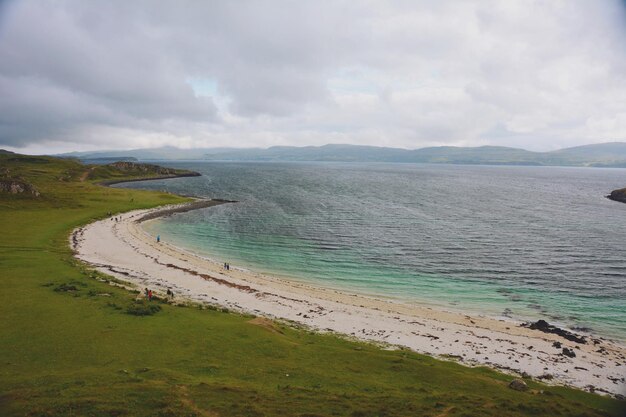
(124, 250)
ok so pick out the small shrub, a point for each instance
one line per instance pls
(113, 305)
(65, 288)
(143, 308)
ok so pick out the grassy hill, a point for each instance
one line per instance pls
(69, 346)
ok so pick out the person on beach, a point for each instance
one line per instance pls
(158, 238)
(149, 295)
(146, 292)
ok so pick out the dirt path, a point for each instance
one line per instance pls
(85, 174)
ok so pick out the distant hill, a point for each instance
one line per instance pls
(495, 155)
(598, 155)
(108, 160)
(612, 154)
(606, 154)
(156, 154)
(344, 153)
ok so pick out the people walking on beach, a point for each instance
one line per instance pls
(158, 238)
(170, 294)
(149, 295)
(146, 292)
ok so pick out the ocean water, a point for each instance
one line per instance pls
(518, 242)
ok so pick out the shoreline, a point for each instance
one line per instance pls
(108, 183)
(182, 208)
(123, 249)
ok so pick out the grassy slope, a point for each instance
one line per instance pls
(79, 353)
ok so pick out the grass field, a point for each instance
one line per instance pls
(68, 347)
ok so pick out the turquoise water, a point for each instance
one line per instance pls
(520, 242)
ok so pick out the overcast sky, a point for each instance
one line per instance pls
(83, 75)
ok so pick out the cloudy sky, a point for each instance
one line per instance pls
(83, 75)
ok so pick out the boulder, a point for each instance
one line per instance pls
(518, 385)
(546, 327)
(569, 353)
(16, 186)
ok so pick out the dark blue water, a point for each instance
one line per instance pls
(523, 242)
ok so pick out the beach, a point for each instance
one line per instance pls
(124, 250)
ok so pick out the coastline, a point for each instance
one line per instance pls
(124, 250)
(107, 183)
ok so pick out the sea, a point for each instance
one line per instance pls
(512, 242)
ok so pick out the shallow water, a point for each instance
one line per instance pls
(522, 242)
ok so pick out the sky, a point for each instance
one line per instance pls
(88, 75)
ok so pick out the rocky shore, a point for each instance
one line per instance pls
(182, 208)
(618, 195)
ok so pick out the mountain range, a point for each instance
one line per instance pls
(612, 154)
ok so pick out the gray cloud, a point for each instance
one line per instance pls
(408, 73)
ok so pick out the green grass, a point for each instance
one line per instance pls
(68, 345)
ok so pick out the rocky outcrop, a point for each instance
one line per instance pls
(182, 208)
(618, 195)
(546, 327)
(134, 172)
(128, 166)
(16, 186)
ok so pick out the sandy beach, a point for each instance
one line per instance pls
(124, 250)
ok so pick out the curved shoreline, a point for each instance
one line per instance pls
(125, 250)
